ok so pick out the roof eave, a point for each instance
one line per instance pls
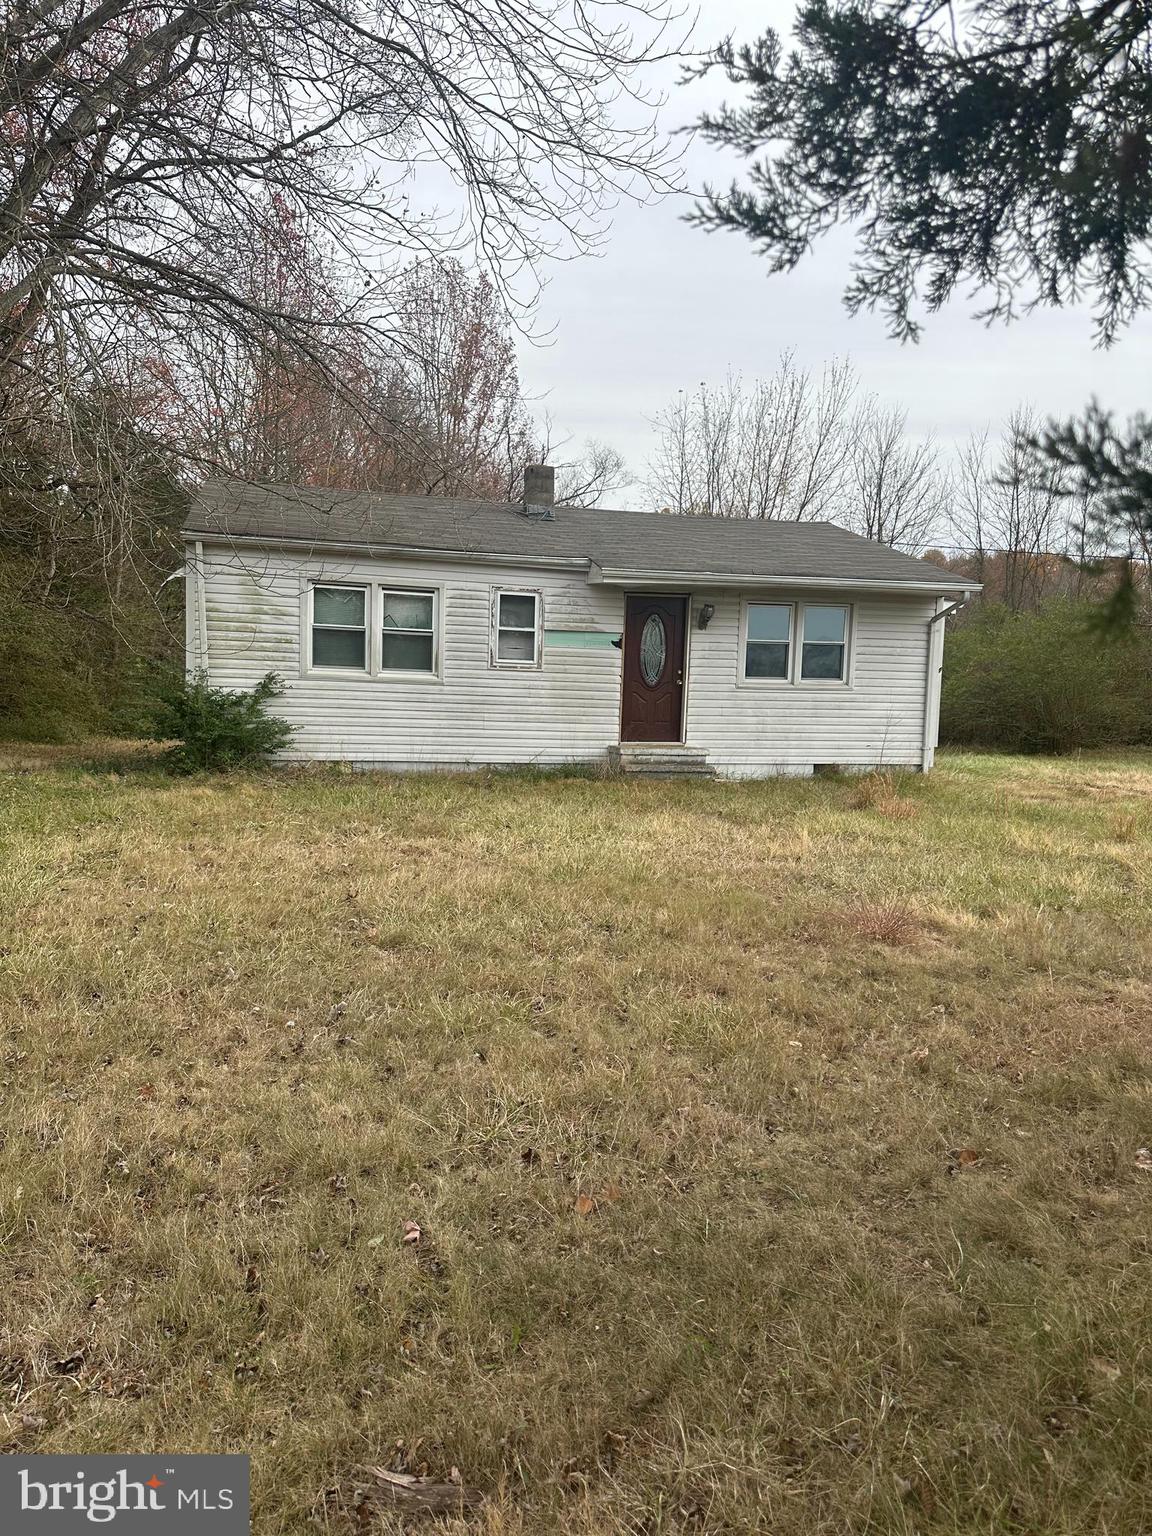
(610, 576)
(597, 575)
(365, 548)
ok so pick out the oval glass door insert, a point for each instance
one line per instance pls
(653, 649)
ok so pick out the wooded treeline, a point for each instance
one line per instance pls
(803, 445)
(95, 481)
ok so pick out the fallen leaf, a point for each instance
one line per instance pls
(412, 1233)
(585, 1204)
(1144, 1158)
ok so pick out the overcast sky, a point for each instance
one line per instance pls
(667, 306)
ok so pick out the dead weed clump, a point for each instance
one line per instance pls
(882, 922)
(1125, 827)
(883, 792)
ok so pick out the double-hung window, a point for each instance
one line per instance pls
(796, 643)
(408, 631)
(768, 641)
(340, 627)
(824, 649)
(346, 620)
(516, 624)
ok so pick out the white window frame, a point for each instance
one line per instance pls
(845, 678)
(494, 657)
(374, 624)
(340, 586)
(408, 589)
(788, 679)
(797, 608)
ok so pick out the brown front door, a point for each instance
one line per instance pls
(653, 667)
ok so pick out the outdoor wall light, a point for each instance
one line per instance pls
(704, 617)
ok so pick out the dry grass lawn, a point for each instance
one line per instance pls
(774, 1146)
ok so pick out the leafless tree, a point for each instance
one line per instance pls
(87, 502)
(898, 494)
(173, 178)
(778, 448)
(459, 355)
(144, 148)
(968, 507)
(1014, 520)
(797, 446)
(585, 479)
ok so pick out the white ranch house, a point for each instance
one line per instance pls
(421, 632)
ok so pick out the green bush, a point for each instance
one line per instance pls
(218, 728)
(1047, 681)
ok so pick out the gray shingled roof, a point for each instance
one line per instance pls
(615, 540)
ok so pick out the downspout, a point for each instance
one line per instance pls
(952, 607)
(935, 665)
(201, 606)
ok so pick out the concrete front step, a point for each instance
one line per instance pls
(663, 761)
(668, 773)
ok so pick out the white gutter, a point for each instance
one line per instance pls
(610, 577)
(597, 575)
(389, 551)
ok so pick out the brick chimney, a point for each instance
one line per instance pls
(539, 488)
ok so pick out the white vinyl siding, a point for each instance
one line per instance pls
(752, 727)
(567, 709)
(257, 619)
